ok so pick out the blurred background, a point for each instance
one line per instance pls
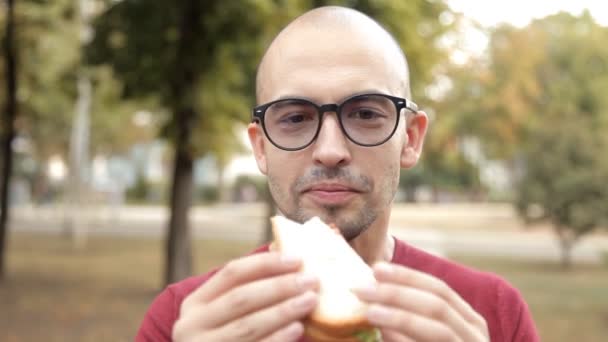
(125, 166)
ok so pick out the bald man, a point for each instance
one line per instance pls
(333, 127)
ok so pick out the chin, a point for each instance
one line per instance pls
(350, 222)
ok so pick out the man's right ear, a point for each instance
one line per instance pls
(256, 138)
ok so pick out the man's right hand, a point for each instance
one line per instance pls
(261, 297)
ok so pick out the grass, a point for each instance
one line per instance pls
(569, 305)
(54, 293)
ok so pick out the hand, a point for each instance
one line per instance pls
(261, 297)
(408, 305)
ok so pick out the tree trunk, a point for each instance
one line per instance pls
(179, 248)
(223, 192)
(270, 211)
(566, 253)
(566, 241)
(435, 193)
(76, 227)
(183, 90)
(410, 194)
(8, 130)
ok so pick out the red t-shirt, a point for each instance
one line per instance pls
(503, 308)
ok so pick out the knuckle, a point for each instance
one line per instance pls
(444, 291)
(187, 303)
(388, 292)
(181, 331)
(290, 284)
(286, 309)
(237, 300)
(438, 309)
(482, 324)
(231, 270)
(403, 322)
(276, 337)
(176, 333)
(445, 335)
(241, 331)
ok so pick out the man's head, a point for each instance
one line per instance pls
(326, 56)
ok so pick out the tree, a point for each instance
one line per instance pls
(8, 127)
(565, 181)
(545, 103)
(194, 57)
(49, 61)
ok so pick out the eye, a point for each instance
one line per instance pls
(365, 114)
(295, 118)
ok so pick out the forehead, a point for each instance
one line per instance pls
(330, 65)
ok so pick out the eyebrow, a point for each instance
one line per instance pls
(299, 97)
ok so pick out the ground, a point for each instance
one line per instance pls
(54, 293)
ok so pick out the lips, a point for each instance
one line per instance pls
(331, 193)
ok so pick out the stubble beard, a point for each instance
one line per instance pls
(352, 221)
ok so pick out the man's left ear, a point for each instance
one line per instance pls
(416, 126)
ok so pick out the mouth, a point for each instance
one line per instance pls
(331, 193)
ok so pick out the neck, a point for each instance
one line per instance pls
(375, 244)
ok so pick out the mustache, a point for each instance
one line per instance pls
(339, 174)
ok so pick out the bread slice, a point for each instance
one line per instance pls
(339, 314)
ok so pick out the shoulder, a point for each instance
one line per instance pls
(158, 321)
(501, 304)
(459, 277)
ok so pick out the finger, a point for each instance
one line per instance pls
(256, 295)
(411, 325)
(265, 322)
(419, 302)
(406, 276)
(394, 336)
(245, 270)
(292, 332)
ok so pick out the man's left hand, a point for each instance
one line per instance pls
(408, 305)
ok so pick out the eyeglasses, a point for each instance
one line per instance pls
(367, 120)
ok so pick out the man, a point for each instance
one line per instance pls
(333, 129)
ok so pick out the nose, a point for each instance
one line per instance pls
(331, 146)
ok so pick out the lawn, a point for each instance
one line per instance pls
(54, 293)
(566, 305)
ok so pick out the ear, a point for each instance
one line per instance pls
(256, 138)
(416, 126)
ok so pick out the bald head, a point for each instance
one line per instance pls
(329, 37)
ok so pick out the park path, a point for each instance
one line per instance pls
(413, 223)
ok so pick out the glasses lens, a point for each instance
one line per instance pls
(369, 119)
(291, 123)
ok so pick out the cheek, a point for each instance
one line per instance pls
(383, 167)
(284, 169)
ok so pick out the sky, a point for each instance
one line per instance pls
(489, 13)
(521, 12)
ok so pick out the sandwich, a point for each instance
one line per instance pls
(339, 315)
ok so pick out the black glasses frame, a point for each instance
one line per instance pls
(399, 102)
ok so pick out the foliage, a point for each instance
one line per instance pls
(138, 39)
(565, 181)
(551, 99)
(49, 62)
(416, 26)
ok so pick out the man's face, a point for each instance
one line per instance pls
(333, 178)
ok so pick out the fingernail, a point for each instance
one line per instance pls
(378, 314)
(294, 331)
(305, 301)
(290, 260)
(383, 268)
(306, 281)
